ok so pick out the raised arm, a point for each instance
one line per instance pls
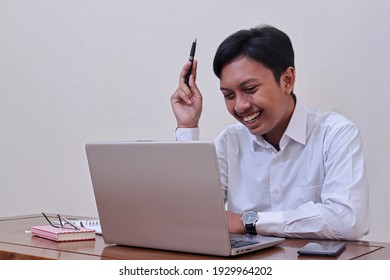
(186, 101)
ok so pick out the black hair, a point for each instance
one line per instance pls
(265, 44)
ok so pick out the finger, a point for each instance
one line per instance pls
(195, 92)
(182, 95)
(194, 68)
(184, 71)
(192, 73)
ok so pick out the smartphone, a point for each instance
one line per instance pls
(322, 248)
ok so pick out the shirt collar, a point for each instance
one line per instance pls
(296, 129)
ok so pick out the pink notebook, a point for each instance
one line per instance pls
(63, 234)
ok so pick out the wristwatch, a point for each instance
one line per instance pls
(249, 220)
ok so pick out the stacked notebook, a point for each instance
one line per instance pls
(63, 234)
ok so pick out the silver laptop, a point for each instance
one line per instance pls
(164, 195)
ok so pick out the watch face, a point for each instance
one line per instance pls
(250, 217)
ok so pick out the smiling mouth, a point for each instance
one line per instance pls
(252, 117)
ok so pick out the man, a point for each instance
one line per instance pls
(294, 171)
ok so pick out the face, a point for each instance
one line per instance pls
(255, 99)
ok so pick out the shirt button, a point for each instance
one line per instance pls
(276, 191)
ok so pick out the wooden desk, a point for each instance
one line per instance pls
(16, 242)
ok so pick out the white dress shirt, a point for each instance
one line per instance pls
(315, 186)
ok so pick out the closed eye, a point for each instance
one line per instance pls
(229, 95)
(251, 89)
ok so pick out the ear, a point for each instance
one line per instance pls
(288, 80)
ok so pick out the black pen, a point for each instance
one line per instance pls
(192, 55)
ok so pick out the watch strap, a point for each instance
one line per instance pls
(251, 229)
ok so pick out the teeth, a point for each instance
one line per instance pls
(251, 117)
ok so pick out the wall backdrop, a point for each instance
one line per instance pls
(74, 71)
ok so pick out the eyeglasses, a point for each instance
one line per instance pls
(62, 222)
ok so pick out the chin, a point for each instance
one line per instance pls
(259, 130)
(256, 131)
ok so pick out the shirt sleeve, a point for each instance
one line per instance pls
(187, 134)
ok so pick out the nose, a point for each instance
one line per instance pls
(242, 103)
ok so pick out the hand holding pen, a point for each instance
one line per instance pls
(187, 100)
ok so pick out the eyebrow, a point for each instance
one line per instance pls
(242, 83)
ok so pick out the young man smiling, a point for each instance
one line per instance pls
(286, 169)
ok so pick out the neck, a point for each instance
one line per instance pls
(273, 137)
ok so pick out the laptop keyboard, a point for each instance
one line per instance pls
(241, 243)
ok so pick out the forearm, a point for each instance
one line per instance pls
(305, 222)
(310, 220)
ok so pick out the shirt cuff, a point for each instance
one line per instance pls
(187, 134)
(270, 223)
